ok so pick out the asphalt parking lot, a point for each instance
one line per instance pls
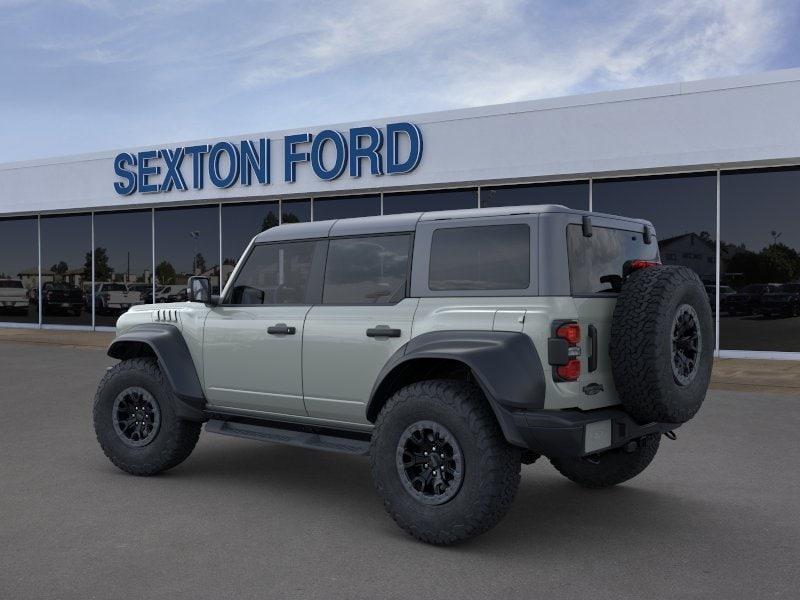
(715, 516)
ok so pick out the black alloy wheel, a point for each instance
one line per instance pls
(136, 416)
(686, 344)
(430, 462)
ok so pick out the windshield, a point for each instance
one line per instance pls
(791, 288)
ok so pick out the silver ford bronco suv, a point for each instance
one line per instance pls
(450, 347)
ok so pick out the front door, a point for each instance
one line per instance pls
(364, 318)
(252, 346)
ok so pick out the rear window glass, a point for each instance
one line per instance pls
(486, 257)
(367, 270)
(595, 263)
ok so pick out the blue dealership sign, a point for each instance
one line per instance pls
(226, 163)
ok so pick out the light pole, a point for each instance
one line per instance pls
(195, 235)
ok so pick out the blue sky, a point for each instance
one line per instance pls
(86, 75)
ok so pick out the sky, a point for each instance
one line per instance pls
(89, 75)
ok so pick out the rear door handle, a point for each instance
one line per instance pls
(281, 329)
(383, 331)
(592, 348)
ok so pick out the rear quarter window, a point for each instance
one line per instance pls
(595, 263)
(484, 257)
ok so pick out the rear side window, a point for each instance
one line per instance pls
(486, 257)
(595, 263)
(367, 270)
(275, 274)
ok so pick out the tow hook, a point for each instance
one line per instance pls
(670, 435)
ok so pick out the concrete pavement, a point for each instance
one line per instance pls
(715, 516)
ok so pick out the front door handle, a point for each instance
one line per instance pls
(281, 329)
(383, 331)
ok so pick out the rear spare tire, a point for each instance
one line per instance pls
(662, 344)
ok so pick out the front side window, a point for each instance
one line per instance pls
(596, 262)
(275, 274)
(487, 257)
(367, 270)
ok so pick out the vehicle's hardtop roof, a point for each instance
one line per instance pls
(407, 222)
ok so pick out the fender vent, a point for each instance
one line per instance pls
(166, 315)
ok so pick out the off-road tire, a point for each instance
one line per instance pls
(612, 467)
(491, 470)
(175, 438)
(641, 347)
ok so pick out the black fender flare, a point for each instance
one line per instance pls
(505, 365)
(174, 359)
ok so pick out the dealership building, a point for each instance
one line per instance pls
(714, 165)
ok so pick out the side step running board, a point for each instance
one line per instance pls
(304, 439)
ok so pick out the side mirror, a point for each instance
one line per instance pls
(199, 290)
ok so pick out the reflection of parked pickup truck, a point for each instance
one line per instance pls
(725, 292)
(747, 301)
(115, 297)
(785, 301)
(13, 296)
(61, 297)
(171, 293)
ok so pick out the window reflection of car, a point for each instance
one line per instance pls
(62, 297)
(785, 301)
(725, 292)
(747, 301)
(144, 289)
(171, 293)
(13, 296)
(115, 297)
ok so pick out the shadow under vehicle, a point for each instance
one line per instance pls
(747, 301)
(62, 298)
(13, 297)
(784, 302)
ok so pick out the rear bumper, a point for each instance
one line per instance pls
(574, 433)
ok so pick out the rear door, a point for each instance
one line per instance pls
(364, 318)
(595, 272)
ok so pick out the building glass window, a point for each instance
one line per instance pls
(347, 207)
(240, 224)
(187, 244)
(429, 201)
(683, 209)
(760, 260)
(296, 211)
(572, 194)
(19, 270)
(123, 263)
(66, 270)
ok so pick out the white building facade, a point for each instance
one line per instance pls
(715, 165)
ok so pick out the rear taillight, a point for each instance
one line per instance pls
(570, 371)
(570, 332)
(564, 350)
(643, 264)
